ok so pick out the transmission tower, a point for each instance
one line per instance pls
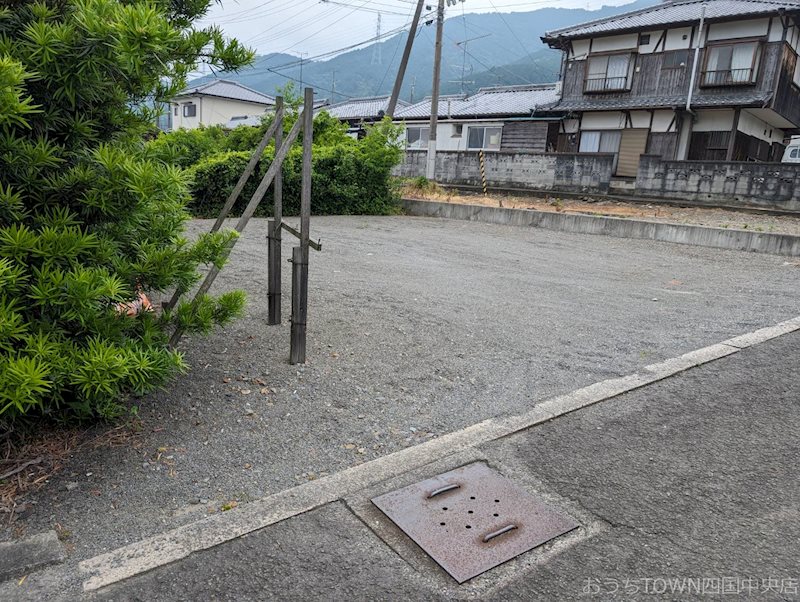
(377, 58)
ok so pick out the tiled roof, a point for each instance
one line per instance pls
(750, 99)
(501, 101)
(361, 108)
(224, 88)
(671, 13)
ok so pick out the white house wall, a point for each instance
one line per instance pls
(214, 111)
(753, 126)
(604, 120)
(714, 121)
(678, 39)
(775, 30)
(664, 121)
(612, 43)
(580, 49)
(650, 47)
(738, 29)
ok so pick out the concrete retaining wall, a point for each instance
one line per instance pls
(760, 185)
(722, 238)
(521, 170)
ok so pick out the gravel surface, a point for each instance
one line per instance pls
(417, 327)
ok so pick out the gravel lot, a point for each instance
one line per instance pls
(417, 327)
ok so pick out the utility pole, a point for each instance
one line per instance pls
(401, 72)
(333, 86)
(430, 168)
(413, 89)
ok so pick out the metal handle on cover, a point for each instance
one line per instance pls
(444, 489)
(487, 538)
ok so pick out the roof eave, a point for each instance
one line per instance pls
(557, 40)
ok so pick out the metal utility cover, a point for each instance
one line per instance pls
(472, 519)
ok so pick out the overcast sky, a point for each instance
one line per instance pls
(314, 27)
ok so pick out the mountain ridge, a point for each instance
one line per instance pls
(479, 50)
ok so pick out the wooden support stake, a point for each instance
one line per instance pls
(274, 272)
(317, 246)
(237, 190)
(297, 352)
(258, 195)
(275, 232)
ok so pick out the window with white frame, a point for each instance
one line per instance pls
(190, 110)
(609, 73)
(731, 64)
(417, 136)
(487, 138)
(602, 141)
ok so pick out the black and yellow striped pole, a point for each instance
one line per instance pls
(483, 173)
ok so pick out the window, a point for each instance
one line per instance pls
(417, 137)
(484, 137)
(731, 64)
(675, 60)
(175, 111)
(644, 39)
(794, 153)
(458, 130)
(238, 117)
(609, 73)
(606, 141)
(189, 110)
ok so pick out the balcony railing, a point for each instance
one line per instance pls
(727, 77)
(606, 84)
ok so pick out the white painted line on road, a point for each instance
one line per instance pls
(174, 545)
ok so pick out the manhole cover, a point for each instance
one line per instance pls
(472, 519)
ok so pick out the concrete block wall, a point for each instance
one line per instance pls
(759, 185)
(518, 170)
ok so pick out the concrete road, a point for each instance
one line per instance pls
(684, 489)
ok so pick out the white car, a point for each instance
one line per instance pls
(792, 152)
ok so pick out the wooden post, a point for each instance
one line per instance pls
(258, 195)
(297, 352)
(274, 272)
(274, 230)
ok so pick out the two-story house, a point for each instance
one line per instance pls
(684, 79)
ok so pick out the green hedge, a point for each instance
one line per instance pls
(351, 178)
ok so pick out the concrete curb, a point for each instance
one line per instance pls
(18, 558)
(684, 234)
(139, 557)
